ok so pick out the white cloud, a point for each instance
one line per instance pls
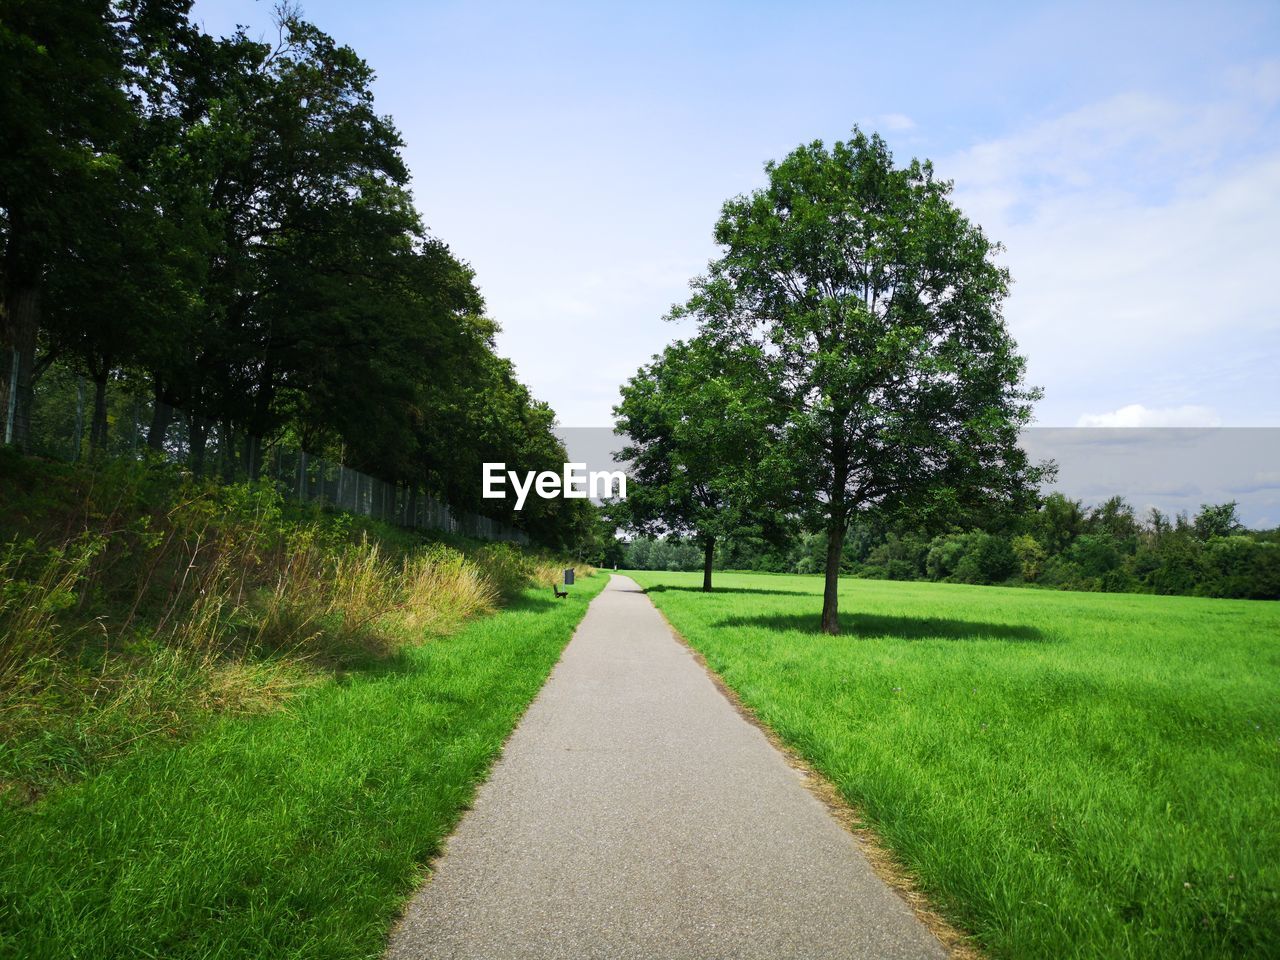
(1261, 81)
(1262, 480)
(897, 122)
(1136, 415)
(1138, 230)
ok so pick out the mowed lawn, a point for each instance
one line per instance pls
(1066, 774)
(295, 834)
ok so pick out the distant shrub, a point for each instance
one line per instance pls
(1118, 581)
(899, 557)
(1174, 566)
(1031, 556)
(1237, 566)
(891, 570)
(810, 554)
(974, 557)
(1062, 573)
(645, 553)
(989, 559)
(945, 554)
(1095, 555)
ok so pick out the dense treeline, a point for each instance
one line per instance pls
(1063, 544)
(225, 226)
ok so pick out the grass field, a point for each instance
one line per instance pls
(1066, 774)
(291, 834)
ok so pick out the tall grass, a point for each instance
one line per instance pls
(36, 589)
(136, 602)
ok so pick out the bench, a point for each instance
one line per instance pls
(560, 594)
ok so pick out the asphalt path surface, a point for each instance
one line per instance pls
(635, 814)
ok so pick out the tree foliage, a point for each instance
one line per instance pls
(226, 225)
(878, 305)
(700, 430)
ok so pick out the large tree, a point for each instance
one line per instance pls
(879, 304)
(699, 421)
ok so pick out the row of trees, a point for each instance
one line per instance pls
(1061, 544)
(851, 361)
(225, 225)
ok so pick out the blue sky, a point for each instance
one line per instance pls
(1127, 155)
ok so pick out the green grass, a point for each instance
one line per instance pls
(1067, 775)
(291, 834)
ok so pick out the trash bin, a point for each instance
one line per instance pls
(568, 577)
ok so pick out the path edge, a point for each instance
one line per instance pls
(884, 863)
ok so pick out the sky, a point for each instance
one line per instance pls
(1126, 155)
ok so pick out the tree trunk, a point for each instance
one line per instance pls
(226, 451)
(831, 588)
(161, 418)
(19, 344)
(198, 431)
(708, 555)
(79, 434)
(98, 426)
(836, 524)
(252, 456)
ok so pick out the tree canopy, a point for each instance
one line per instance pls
(699, 422)
(226, 225)
(878, 306)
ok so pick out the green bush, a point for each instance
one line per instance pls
(945, 553)
(899, 557)
(974, 557)
(1237, 566)
(1031, 556)
(989, 559)
(1095, 554)
(1175, 566)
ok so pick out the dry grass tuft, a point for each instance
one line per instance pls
(441, 588)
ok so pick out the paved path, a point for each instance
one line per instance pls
(635, 814)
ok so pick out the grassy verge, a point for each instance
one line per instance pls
(138, 603)
(1067, 775)
(293, 834)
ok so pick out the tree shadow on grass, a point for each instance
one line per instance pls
(727, 591)
(538, 601)
(903, 628)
